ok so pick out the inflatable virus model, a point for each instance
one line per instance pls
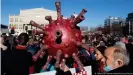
(61, 34)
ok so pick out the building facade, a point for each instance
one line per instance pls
(128, 28)
(114, 25)
(114, 20)
(20, 22)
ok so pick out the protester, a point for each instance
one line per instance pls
(49, 65)
(101, 46)
(121, 42)
(2, 46)
(4, 55)
(63, 69)
(110, 41)
(100, 60)
(69, 60)
(42, 59)
(31, 47)
(116, 60)
(60, 66)
(104, 53)
(20, 60)
(129, 47)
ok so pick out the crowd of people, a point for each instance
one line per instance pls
(25, 54)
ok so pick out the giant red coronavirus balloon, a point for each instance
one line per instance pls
(61, 34)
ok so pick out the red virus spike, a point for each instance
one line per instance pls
(77, 60)
(36, 25)
(49, 18)
(36, 56)
(80, 17)
(58, 8)
(58, 58)
(37, 32)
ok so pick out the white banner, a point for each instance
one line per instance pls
(73, 71)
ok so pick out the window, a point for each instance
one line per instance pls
(115, 22)
(11, 19)
(20, 20)
(16, 19)
(20, 27)
(16, 25)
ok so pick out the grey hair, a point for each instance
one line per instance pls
(120, 53)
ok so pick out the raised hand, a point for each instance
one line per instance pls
(63, 65)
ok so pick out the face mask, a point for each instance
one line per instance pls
(107, 68)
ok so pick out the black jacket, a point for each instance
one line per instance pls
(17, 63)
(60, 72)
(5, 59)
(129, 47)
(123, 69)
